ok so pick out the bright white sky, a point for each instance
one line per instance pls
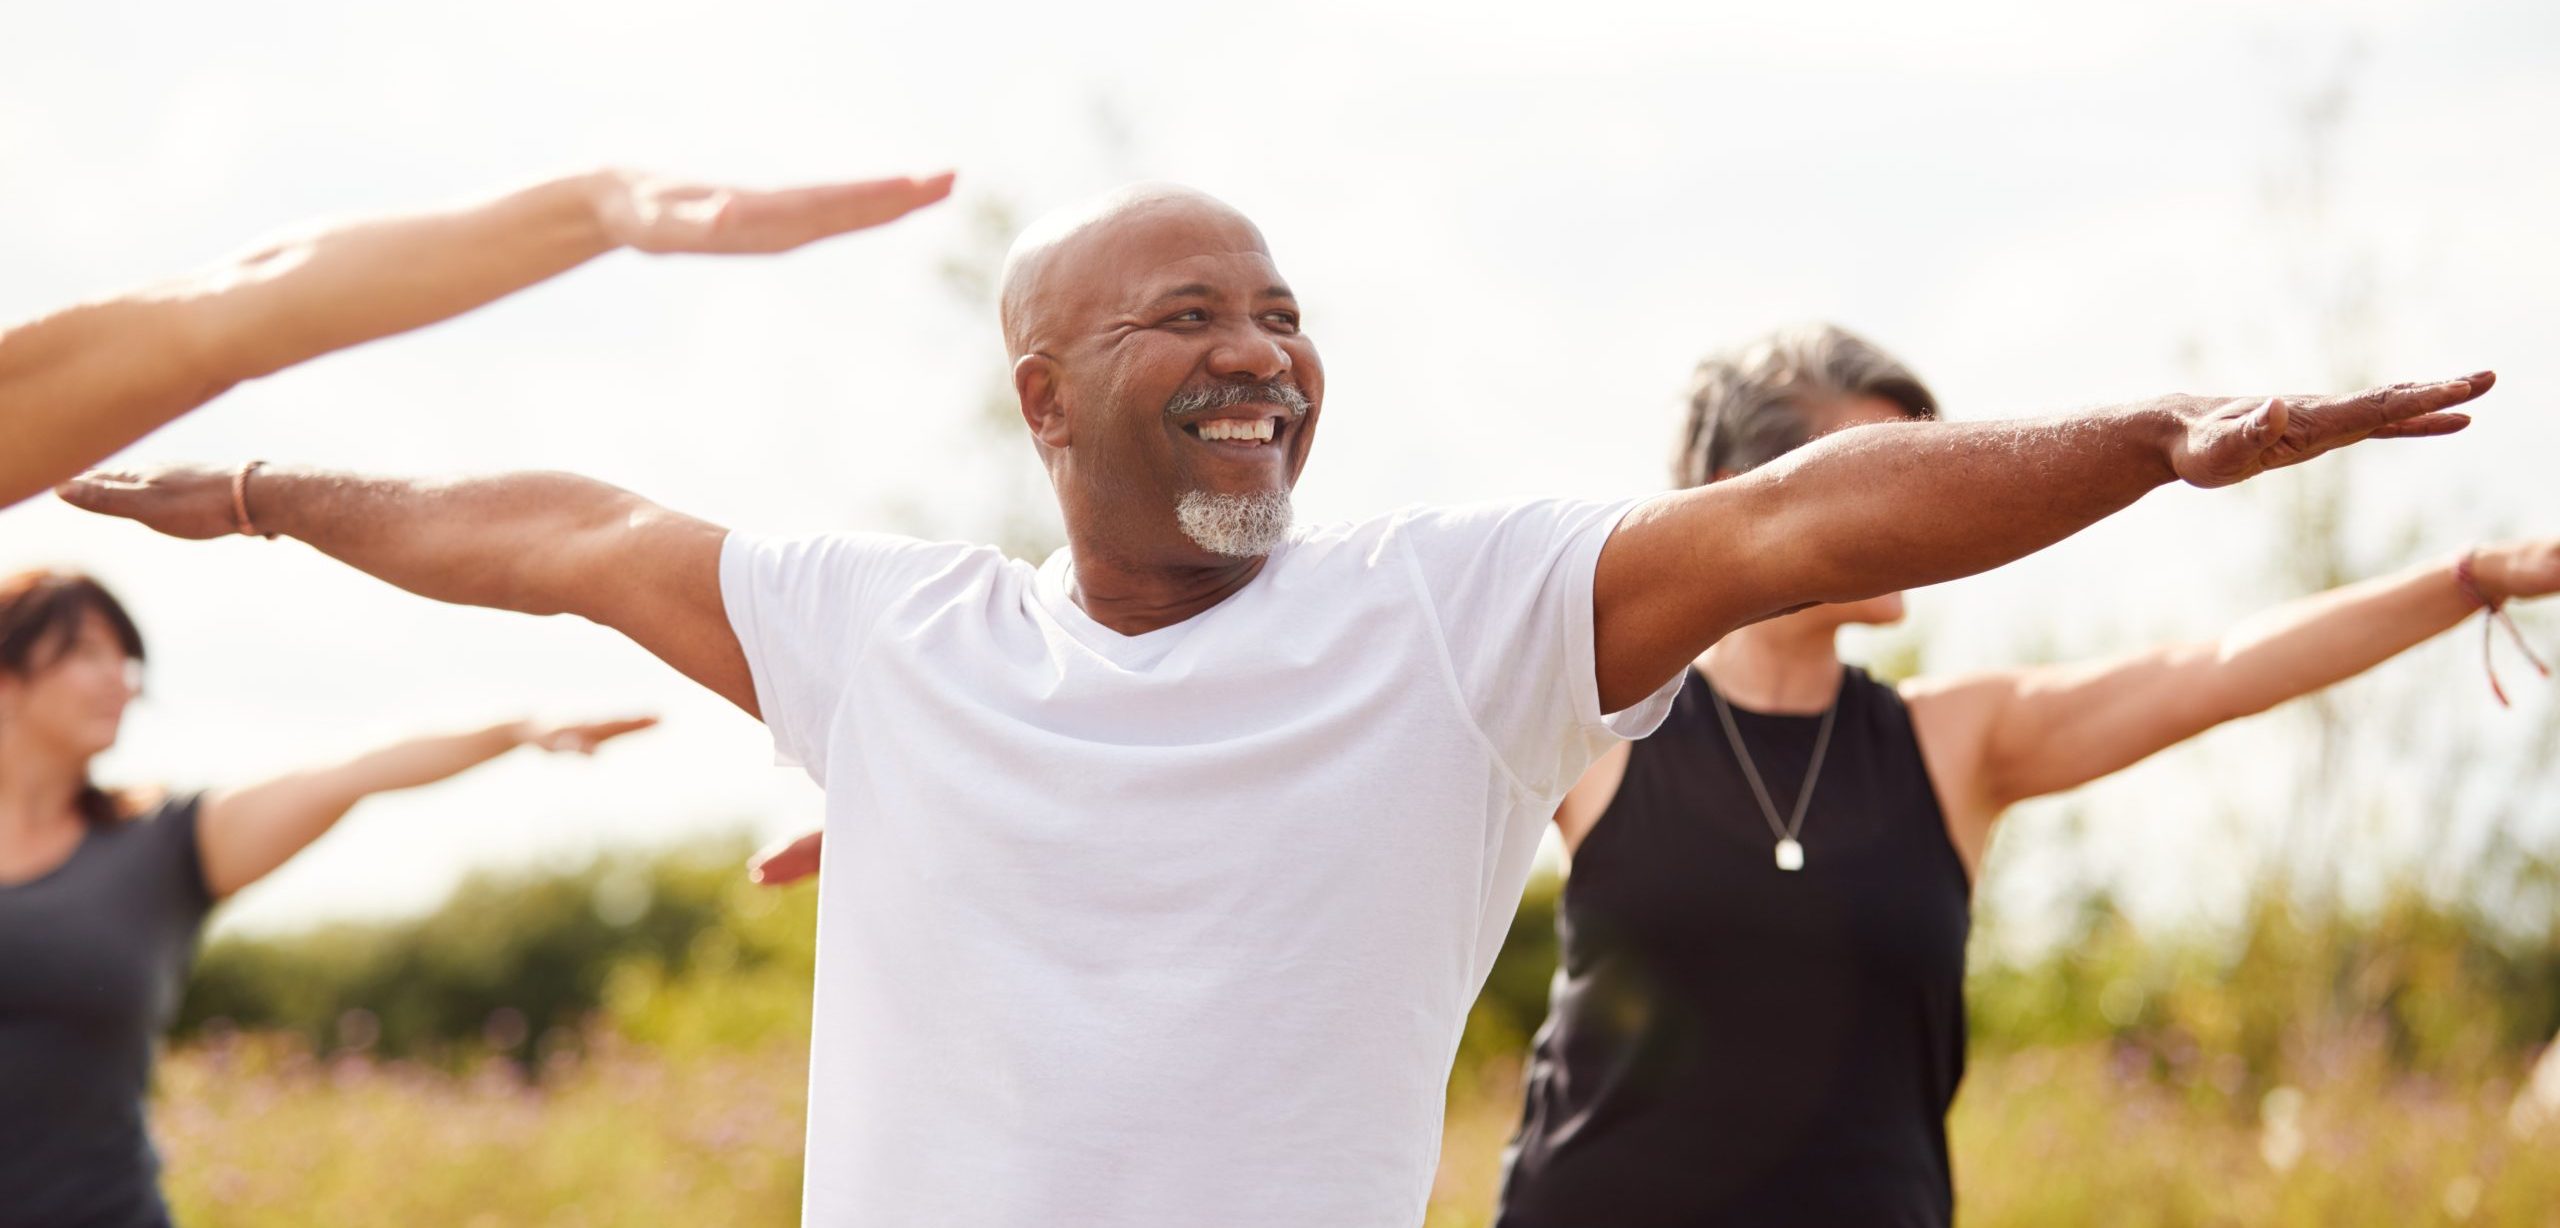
(1513, 234)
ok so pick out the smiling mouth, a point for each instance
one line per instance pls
(1248, 433)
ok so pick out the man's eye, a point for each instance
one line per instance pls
(1195, 315)
(1285, 319)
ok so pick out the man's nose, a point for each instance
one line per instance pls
(1248, 353)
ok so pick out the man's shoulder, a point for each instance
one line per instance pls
(1437, 537)
(1363, 539)
(863, 549)
(1475, 512)
(1482, 522)
(860, 574)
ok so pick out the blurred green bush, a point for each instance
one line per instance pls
(517, 963)
(675, 949)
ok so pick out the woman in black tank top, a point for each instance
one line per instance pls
(1760, 1017)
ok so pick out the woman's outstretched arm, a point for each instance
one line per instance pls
(1999, 738)
(246, 833)
(82, 382)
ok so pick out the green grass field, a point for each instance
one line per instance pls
(525, 1056)
(260, 1135)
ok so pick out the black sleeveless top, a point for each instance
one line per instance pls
(1732, 1043)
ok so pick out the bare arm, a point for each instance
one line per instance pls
(2012, 735)
(80, 383)
(535, 543)
(1880, 508)
(245, 834)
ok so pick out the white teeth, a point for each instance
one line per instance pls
(1252, 430)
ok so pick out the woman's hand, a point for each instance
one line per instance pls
(655, 214)
(579, 739)
(2518, 569)
(245, 834)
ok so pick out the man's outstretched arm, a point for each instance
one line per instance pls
(535, 543)
(80, 383)
(1882, 508)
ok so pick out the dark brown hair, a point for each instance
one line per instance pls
(1746, 405)
(41, 613)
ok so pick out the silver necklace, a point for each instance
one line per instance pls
(1790, 853)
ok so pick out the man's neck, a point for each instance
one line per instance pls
(1776, 666)
(1133, 598)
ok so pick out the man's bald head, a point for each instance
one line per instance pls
(1161, 369)
(1082, 258)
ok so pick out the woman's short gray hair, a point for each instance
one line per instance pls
(1747, 404)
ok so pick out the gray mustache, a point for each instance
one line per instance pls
(1227, 396)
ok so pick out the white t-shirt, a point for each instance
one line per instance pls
(1175, 929)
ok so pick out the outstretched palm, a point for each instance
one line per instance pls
(666, 215)
(2232, 441)
(584, 739)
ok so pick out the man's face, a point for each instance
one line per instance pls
(1188, 378)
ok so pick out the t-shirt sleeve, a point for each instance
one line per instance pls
(178, 853)
(802, 609)
(1510, 584)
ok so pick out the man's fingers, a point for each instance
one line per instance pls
(104, 491)
(2410, 400)
(2232, 443)
(2422, 426)
(2367, 413)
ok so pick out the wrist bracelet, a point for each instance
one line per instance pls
(2492, 614)
(240, 521)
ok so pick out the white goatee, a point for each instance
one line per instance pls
(1237, 526)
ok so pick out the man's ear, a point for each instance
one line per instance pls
(1035, 384)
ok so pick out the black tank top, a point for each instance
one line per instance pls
(1732, 1043)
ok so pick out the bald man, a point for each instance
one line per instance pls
(1164, 872)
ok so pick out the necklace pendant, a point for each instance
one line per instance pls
(1790, 854)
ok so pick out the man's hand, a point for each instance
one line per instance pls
(535, 543)
(666, 215)
(786, 861)
(2232, 441)
(1897, 506)
(188, 501)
